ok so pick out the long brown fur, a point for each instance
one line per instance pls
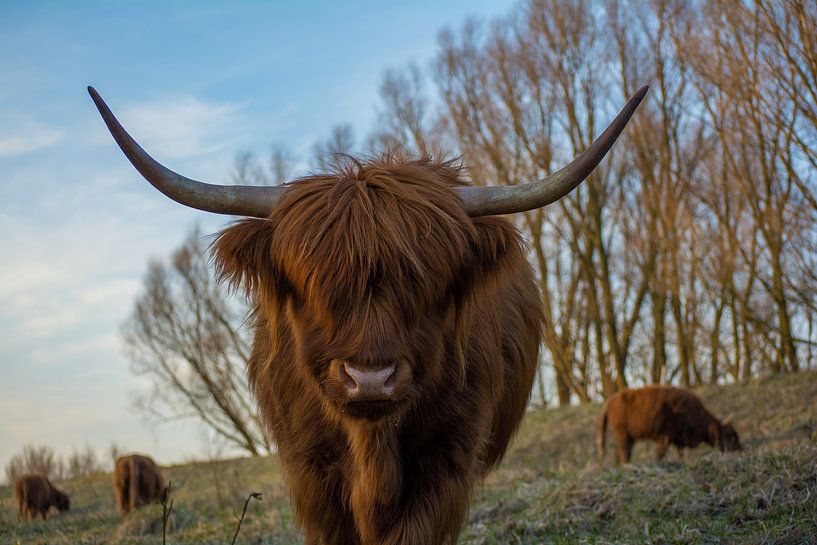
(667, 415)
(372, 264)
(35, 494)
(137, 481)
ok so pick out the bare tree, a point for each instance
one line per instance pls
(115, 450)
(281, 165)
(689, 256)
(186, 335)
(521, 96)
(745, 80)
(82, 463)
(247, 170)
(407, 118)
(40, 460)
(327, 153)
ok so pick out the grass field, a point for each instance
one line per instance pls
(549, 490)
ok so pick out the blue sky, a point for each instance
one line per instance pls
(194, 82)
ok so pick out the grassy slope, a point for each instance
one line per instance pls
(549, 490)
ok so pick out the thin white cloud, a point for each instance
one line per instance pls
(55, 279)
(113, 290)
(46, 324)
(109, 343)
(184, 127)
(20, 134)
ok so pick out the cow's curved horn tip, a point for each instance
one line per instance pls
(642, 92)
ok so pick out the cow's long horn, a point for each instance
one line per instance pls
(508, 199)
(239, 200)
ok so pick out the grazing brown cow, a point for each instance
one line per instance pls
(397, 327)
(667, 415)
(35, 494)
(136, 482)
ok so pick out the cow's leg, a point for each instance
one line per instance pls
(661, 445)
(434, 511)
(44, 513)
(135, 488)
(624, 447)
(319, 503)
(312, 538)
(121, 493)
(680, 452)
(412, 500)
(343, 533)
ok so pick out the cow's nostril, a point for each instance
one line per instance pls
(392, 378)
(348, 380)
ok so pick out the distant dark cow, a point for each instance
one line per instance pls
(35, 494)
(136, 482)
(668, 416)
(397, 327)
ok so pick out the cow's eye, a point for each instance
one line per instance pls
(374, 282)
(288, 289)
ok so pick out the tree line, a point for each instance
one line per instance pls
(688, 257)
(44, 460)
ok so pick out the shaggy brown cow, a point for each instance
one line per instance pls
(136, 482)
(35, 494)
(396, 331)
(667, 415)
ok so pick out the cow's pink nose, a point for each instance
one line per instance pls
(368, 384)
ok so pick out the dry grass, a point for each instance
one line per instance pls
(549, 490)
(714, 499)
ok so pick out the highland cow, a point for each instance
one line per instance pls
(137, 481)
(35, 494)
(397, 327)
(668, 416)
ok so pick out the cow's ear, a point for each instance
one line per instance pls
(496, 249)
(242, 254)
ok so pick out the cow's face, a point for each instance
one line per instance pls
(728, 440)
(369, 272)
(61, 501)
(723, 436)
